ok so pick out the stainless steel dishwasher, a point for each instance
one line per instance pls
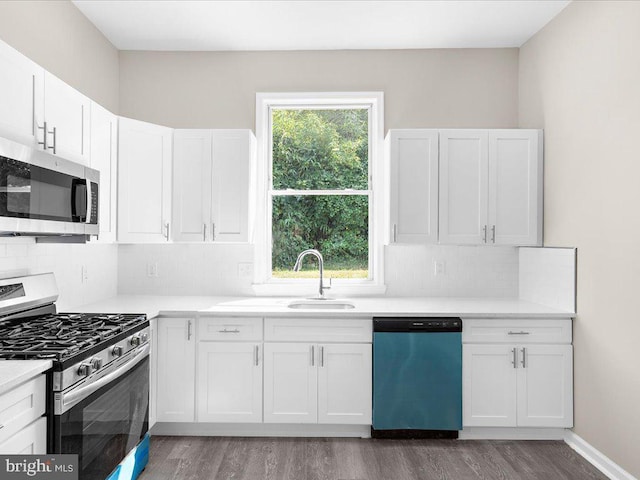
(417, 377)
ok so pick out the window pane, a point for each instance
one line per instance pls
(337, 226)
(320, 149)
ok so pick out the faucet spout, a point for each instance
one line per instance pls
(318, 255)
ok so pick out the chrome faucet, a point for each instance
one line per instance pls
(318, 255)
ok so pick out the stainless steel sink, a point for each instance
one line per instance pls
(321, 304)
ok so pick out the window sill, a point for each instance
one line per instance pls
(307, 289)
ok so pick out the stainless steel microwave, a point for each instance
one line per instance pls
(41, 194)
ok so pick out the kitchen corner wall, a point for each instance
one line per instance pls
(22, 256)
(579, 80)
(58, 37)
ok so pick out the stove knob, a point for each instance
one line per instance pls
(96, 363)
(144, 337)
(135, 341)
(117, 351)
(85, 368)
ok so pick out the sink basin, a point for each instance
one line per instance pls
(321, 304)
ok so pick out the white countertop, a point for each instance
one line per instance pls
(153, 306)
(15, 372)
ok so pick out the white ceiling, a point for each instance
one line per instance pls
(318, 24)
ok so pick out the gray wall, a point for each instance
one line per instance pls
(423, 88)
(55, 35)
(580, 81)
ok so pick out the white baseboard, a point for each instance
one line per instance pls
(260, 430)
(597, 458)
(511, 433)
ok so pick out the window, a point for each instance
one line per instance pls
(319, 159)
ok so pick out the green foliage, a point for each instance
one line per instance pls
(320, 150)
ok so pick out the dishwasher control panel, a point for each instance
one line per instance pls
(417, 324)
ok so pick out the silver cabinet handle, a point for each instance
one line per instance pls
(235, 330)
(313, 354)
(189, 330)
(166, 231)
(213, 232)
(395, 233)
(204, 232)
(54, 132)
(257, 355)
(521, 332)
(514, 360)
(493, 234)
(484, 234)
(44, 135)
(322, 356)
(1, 426)
(524, 357)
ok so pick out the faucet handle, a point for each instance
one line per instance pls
(330, 284)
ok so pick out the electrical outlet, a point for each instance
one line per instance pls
(152, 269)
(85, 273)
(245, 270)
(439, 267)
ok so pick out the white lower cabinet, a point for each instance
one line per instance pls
(175, 386)
(290, 383)
(522, 384)
(23, 429)
(318, 370)
(229, 387)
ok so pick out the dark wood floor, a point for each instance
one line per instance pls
(223, 458)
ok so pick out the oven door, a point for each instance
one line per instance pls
(103, 420)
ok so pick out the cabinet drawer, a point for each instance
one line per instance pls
(483, 330)
(21, 406)
(30, 440)
(230, 328)
(318, 330)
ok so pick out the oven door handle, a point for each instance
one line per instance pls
(72, 398)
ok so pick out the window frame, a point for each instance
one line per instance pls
(265, 103)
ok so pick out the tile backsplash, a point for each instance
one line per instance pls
(547, 276)
(84, 273)
(451, 271)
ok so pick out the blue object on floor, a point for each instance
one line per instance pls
(133, 464)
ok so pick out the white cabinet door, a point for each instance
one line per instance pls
(176, 377)
(515, 187)
(229, 387)
(344, 384)
(68, 111)
(31, 440)
(144, 182)
(233, 154)
(290, 383)
(21, 97)
(414, 185)
(545, 386)
(463, 186)
(153, 372)
(192, 185)
(104, 157)
(489, 380)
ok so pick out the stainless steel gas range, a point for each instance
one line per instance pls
(98, 399)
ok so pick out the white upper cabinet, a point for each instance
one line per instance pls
(212, 172)
(21, 97)
(67, 117)
(104, 157)
(413, 158)
(192, 185)
(515, 187)
(144, 181)
(491, 187)
(464, 158)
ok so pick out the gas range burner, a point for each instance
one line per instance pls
(61, 336)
